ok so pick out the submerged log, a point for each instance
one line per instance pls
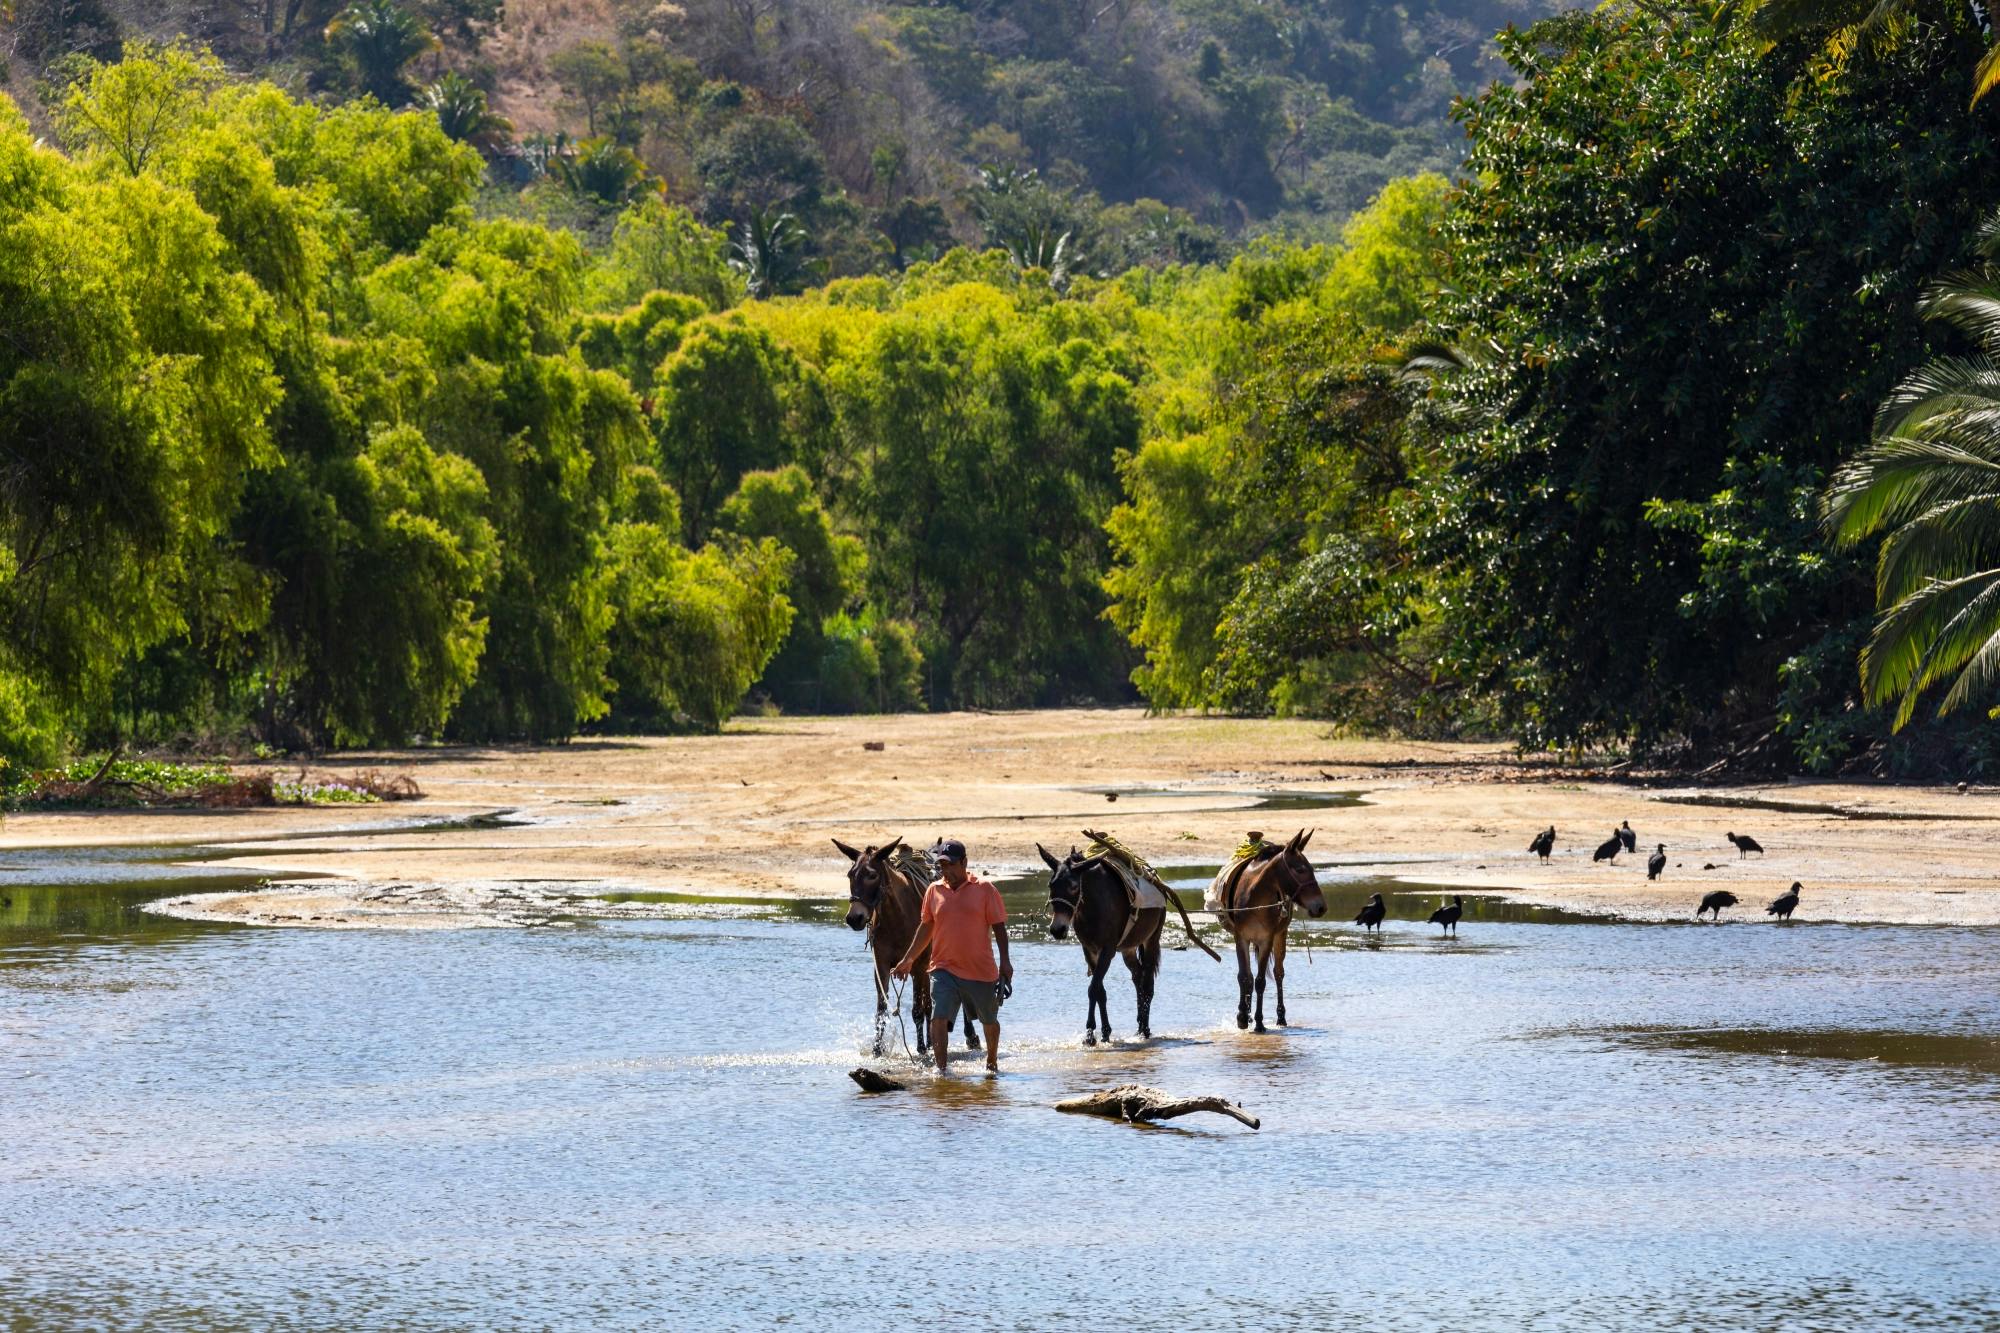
(1135, 1101)
(874, 1081)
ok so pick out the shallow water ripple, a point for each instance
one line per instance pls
(648, 1124)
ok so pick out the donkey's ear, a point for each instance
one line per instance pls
(850, 853)
(893, 845)
(1307, 838)
(1298, 841)
(1053, 863)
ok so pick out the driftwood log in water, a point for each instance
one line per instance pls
(874, 1081)
(1134, 1101)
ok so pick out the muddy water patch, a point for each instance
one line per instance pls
(1818, 808)
(1967, 1053)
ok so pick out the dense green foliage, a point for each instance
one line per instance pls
(1678, 275)
(314, 422)
(1677, 335)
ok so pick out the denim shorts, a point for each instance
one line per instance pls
(949, 992)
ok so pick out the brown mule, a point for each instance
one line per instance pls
(1257, 907)
(887, 902)
(1089, 897)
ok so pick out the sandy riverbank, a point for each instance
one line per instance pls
(751, 812)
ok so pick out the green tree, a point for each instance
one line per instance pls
(694, 629)
(656, 246)
(1624, 510)
(722, 403)
(1848, 26)
(989, 447)
(377, 39)
(593, 74)
(827, 572)
(1931, 480)
(134, 108)
(133, 395)
(489, 309)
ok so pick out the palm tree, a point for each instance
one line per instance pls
(769, 252)
(1027, 219)
(1931, 479)
(1846, 23)
(601, 168)
(378, 38)
(460, 106)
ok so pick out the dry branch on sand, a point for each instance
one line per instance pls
(1134, 1102)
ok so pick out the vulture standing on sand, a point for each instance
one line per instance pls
(1715, 902)
(1448, 916)
(1544, 843)
(1627, 836)
(1656, 862)
(1371, 913)
(1745, 845)
(1782, 906)
(1608, 850)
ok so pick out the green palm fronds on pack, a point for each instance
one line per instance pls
(1104, 844)
(1247, 849)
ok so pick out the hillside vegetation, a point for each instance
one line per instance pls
(1145, 130)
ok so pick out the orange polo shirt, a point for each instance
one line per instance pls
(962, 921)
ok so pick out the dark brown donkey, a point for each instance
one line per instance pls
(885, 900)
(1089, 897)
(1257, 906)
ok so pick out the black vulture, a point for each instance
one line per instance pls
(1544, 843)
(1715, 902)
(1608, 849)
(1745, 845)
(1627, 836)
(1371, 913)
(1656, 862)
(1782, 906)
(1448, 916)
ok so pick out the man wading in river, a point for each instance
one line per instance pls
(960, 909)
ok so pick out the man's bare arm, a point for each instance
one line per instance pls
(1000, 941)
(916, 951)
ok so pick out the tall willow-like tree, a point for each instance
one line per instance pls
(1931, 480)
(133, 394)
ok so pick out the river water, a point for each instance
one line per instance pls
(1549, 1123)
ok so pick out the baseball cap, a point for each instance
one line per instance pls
(949, 849)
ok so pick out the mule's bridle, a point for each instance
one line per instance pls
(1074, 905)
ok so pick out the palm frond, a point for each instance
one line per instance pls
(1977, 680)
(1988, 241)
(1986, 74)
(1957, 641)
(1902, 649)
(1945, 385)
(1944, 542)
(1970, 303)
(1899, 478)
